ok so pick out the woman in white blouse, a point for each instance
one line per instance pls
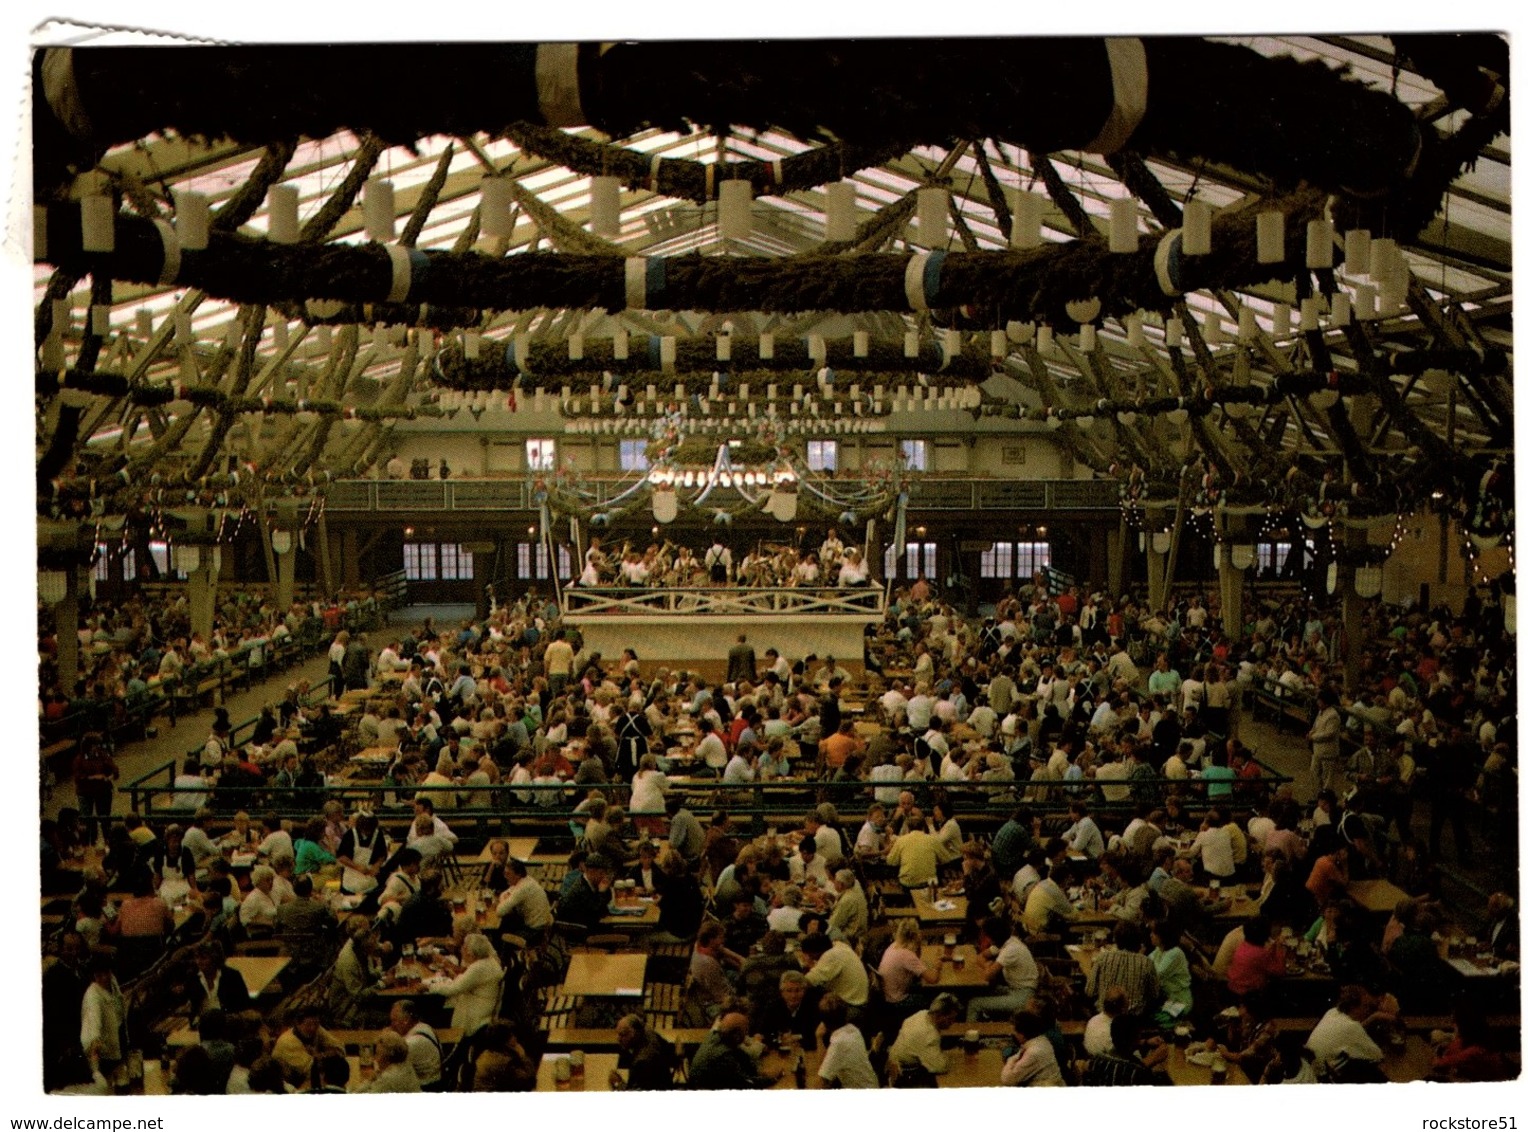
(649, 787)
(474, 994)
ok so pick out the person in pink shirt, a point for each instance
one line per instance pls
(902, 969)
(1256, 962)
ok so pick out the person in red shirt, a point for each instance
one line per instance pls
(1255, 962)
(1329, 876)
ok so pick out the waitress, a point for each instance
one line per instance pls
(362, 852)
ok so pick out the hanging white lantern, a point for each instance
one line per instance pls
(496, 208)
(183, 335)
(668, 352)
(1310, 315)
(1246, 323)
(1087, 338)
(193, 219)
(1172, 333)
(1020, 333)
(323, 338)
(1384, 259)
(575, 352)
(472, 345)
(1355, 251)
(1364, 302)
(1196, 228)
(933, 217)
(379, 209)
(840, 210)
(999, 344)
(952, 344)
(1392, 293)
(1177, 416)
(1124, 233)
(143, 322)
(1214, 333)
(605, 206)
(1243, 555)
(1045, 341)
(766, 346)
(734, 210)
(1135, 331)
(724, 347)
(1084, 310)
(1342, 308)
(98, 223)
(188, 559)
(1281, 314)
(910, 344)
(1368, 580)
(1161, 542)
(862, 343)
(281, 209)
(100, 320)
(1318, 244)
(1028, 210)
(281, 541)
(1270, 236)
(1331, 578)
(620, 344)
(52, 586)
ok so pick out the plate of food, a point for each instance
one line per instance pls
(1204, 1059)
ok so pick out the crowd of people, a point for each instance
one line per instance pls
(832, 564)
(1104, 736)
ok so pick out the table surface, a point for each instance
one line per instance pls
(406, 978)
(619, 974)
(647, 918)
(982, 1069)
(1376, 895)
(930, 914)
(374, 755)
(1182, 1072)
(596, 1078)
(951, 977)
(519, 848)
(259, 971)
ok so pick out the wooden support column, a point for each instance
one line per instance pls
(1156, 573)
(1119, 543)
(325, 562)
(350, 558)
(1172, 551)
(1355, 538)
(66, 618)
(201, 594)
(286, 575)
(1231, 583)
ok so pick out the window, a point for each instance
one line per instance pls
(921, 558)
(822, 455)
(998, 562)
(522, 560)
(915, 455)
(455, 562)
(1271, 556)
(543, 561)
(419, 561)
(1031, 556)
(541, 454)
(564, 563)
(633, 456)
(159, 551)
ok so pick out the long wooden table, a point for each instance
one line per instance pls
(600, 975)
(967, 976)
(519, 848)
(259, 971)
(932, 915)
(982, 1069)
(1379, 896)
(1181, 1071)
(595, 1078)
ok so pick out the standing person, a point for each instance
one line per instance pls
(1325, 737)
(103, 1016)
(94, 772)
(741, 664)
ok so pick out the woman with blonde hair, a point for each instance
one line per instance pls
(902, 970)
(649, 791)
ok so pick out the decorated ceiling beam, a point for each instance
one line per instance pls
(684, 179)
(990, 288)
(1175, 97)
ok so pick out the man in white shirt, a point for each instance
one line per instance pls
(257, 912)
(419, 1036)
(835, 967)
(1341, 1031)
(710, 750)
(808, 864)
(438, 828)
(1010, 969)
(918, 1053)
(524, 908)
(1214, 848)
(846, 1062)
(1083, 835)
(920, 709)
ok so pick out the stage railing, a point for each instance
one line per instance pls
(724, 601)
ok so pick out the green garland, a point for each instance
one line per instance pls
(688, 180)
(549, 366)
